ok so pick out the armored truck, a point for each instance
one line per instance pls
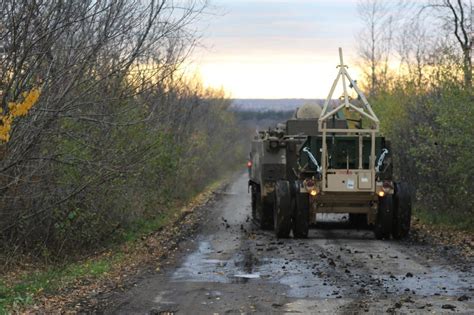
(327, 160)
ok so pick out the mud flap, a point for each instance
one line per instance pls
(401, 211)
(383, 222)
(282, 209)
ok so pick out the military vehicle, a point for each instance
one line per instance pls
(327, 160)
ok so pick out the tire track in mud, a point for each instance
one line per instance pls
(345, 267)
(232, 267)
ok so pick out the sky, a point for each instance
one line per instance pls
(276, 48)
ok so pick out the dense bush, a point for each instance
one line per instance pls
(431, 134)
(117, 135)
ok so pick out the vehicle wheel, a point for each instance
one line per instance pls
(401, 211)
(383, 222)
(253, 201)
(282, 209)
(301, 215)
(358, 220)
(266, 215)
(262, 209)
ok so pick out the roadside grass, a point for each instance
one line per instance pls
(146, 226)
(449, 221)
(22, 291)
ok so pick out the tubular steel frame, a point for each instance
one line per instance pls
(365, 111)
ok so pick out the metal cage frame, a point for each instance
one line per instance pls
(366, 111)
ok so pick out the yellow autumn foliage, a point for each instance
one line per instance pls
(17, 109)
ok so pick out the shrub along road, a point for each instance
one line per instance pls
(231, 266)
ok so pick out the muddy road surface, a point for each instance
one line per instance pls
(232, 267)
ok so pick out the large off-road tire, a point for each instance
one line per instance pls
(383, 222)
(401, 211)
(266, 214)
(282, 209)
(253, 201)
(262, 209)
(301, 214)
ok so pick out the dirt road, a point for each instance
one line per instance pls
(232, 267)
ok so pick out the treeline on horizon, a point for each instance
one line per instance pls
(100, 129)
(268, 114)
(417, 59)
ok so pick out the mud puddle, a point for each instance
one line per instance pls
(297, 275)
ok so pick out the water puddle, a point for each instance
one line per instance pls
(241, 268)
(198, 267)
(298, 276)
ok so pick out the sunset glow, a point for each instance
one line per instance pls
(278, 49)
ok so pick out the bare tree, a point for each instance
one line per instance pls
(376, 41)
(456, 16)
(373, 13)
(414, 46)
